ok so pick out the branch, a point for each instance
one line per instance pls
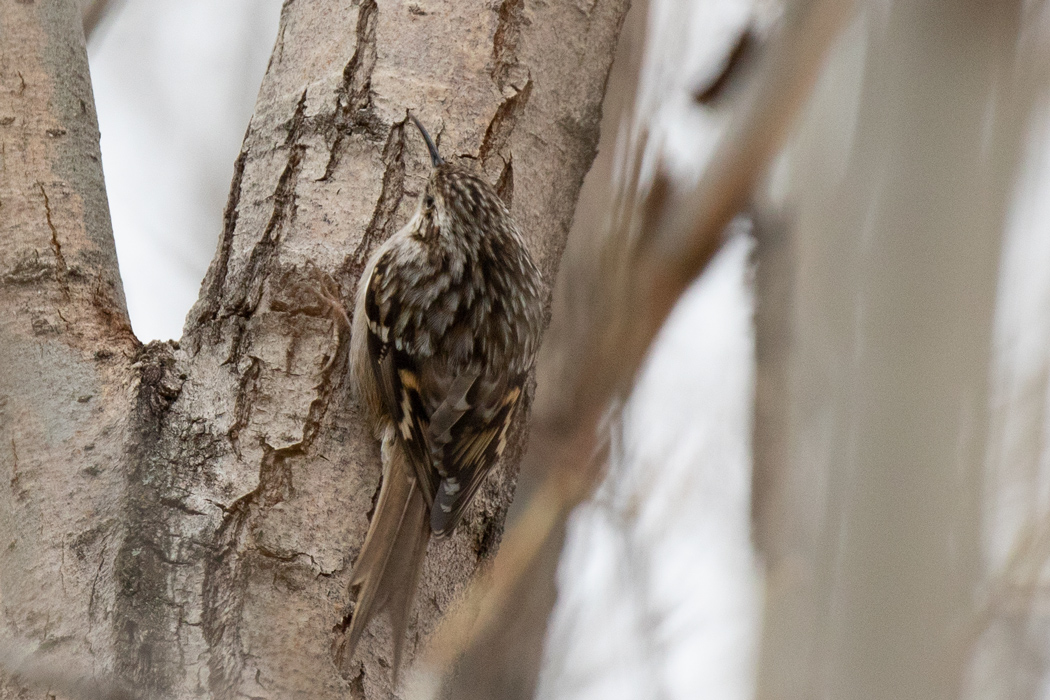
(97, 11)
(659, 242)
(65, 343)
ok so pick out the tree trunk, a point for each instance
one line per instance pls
(183, 516)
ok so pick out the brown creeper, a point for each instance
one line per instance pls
(446, 327)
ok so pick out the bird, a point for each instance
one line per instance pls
(447, 321)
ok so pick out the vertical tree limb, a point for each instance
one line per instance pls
(65, 346)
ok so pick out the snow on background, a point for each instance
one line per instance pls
(660, 595)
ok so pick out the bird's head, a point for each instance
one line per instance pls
(458, 202)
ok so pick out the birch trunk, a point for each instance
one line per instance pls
(182, 516)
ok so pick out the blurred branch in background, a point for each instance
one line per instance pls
(877, 285)
(96, 12)
(1011, 632)
(659, 240)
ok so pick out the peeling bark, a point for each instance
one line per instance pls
(183, 516)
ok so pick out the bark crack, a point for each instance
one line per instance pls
(56, 247)
(503, 121)
(98, 574)
(16, 487)
(260, 260)
(510, 21)
(505, 182)
(216, 278)
(357, 76)
(234, 545)
(242, 405)
(380, 227)
(354, 108)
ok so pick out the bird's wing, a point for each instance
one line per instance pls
(451, 418)
(397, 377)
(470, 445)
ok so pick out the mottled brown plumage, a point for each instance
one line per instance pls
(446, 327)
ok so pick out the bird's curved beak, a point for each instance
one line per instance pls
(435, 158)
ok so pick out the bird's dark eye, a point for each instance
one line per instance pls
(428, 202)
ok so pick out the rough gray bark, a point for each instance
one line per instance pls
(183, 515)
(65, 348)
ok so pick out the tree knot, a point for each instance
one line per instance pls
(159, 384)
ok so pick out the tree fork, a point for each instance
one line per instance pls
(182, 516)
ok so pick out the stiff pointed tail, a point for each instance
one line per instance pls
(386, 572)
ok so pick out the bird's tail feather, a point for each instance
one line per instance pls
(387, 569)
